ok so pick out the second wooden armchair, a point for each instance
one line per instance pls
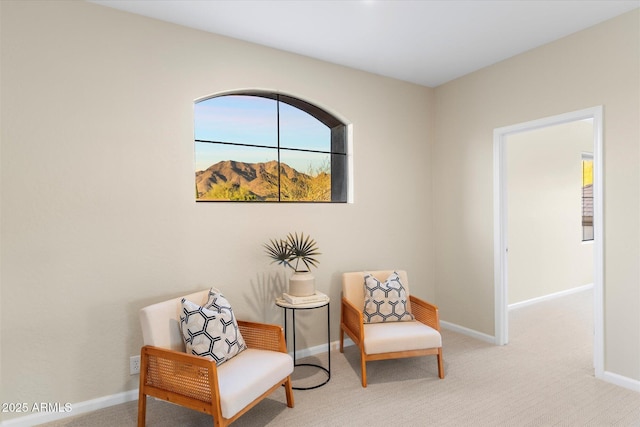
(388, 340)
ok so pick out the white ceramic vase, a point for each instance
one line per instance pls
(302, 284)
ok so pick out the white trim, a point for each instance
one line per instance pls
(350, 174)
(468, 332)
(76, 409)
(621, 381)
(500, 224)
(550, 296)
(598, 242)
(318, 349)
(348, 342)
(500, 249)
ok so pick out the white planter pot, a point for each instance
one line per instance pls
(302, 284)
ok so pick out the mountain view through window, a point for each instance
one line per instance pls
(252, 147)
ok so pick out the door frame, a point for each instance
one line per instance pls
(500, 231)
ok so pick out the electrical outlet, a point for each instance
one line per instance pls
(134, 365)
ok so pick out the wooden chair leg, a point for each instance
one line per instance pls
(218, 421)
(440, 364)
(341, 340)
(289, 392)
(142, 410)
(142, 398)
(363, 370)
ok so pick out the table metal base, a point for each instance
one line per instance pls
(326, 370)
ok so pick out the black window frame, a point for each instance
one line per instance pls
(338, 145)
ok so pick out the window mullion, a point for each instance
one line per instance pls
(278, 135)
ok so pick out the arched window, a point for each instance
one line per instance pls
(263, 146)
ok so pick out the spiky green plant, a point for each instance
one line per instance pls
(292, 250)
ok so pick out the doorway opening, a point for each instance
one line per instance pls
(501, 224)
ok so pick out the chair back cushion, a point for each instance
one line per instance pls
(353, 285)
(161, 322)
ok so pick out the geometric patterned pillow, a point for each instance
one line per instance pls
(218, 303)
(385, 301)
(210, 333)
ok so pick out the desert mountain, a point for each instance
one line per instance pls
(257, 181)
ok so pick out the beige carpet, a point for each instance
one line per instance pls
(544, 377)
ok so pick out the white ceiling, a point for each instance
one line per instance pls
(426, 42)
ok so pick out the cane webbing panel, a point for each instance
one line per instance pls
(179, 377)
(262, 336)
(425, 312)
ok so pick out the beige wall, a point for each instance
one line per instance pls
(98, 210)
(597, 66)
(544, 196)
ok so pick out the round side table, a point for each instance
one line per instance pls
(286, 306)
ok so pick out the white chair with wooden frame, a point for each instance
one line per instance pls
(226, 391)
(388, 339)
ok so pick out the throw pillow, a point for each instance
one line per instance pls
(217, 302)
(211, 333)
(385, 301)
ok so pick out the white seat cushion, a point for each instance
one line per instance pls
(248, 375)
(399, 336)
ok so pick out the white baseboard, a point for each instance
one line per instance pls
(322, 348)
(468, 332)
(621, 381)
(550, 296)
(74, 409)
(347, 343)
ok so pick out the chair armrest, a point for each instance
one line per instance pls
(352, 321)
(425, 312)
(263, 336)
(177, 376)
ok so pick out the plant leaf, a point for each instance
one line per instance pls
(303, 248)
(279, 251)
